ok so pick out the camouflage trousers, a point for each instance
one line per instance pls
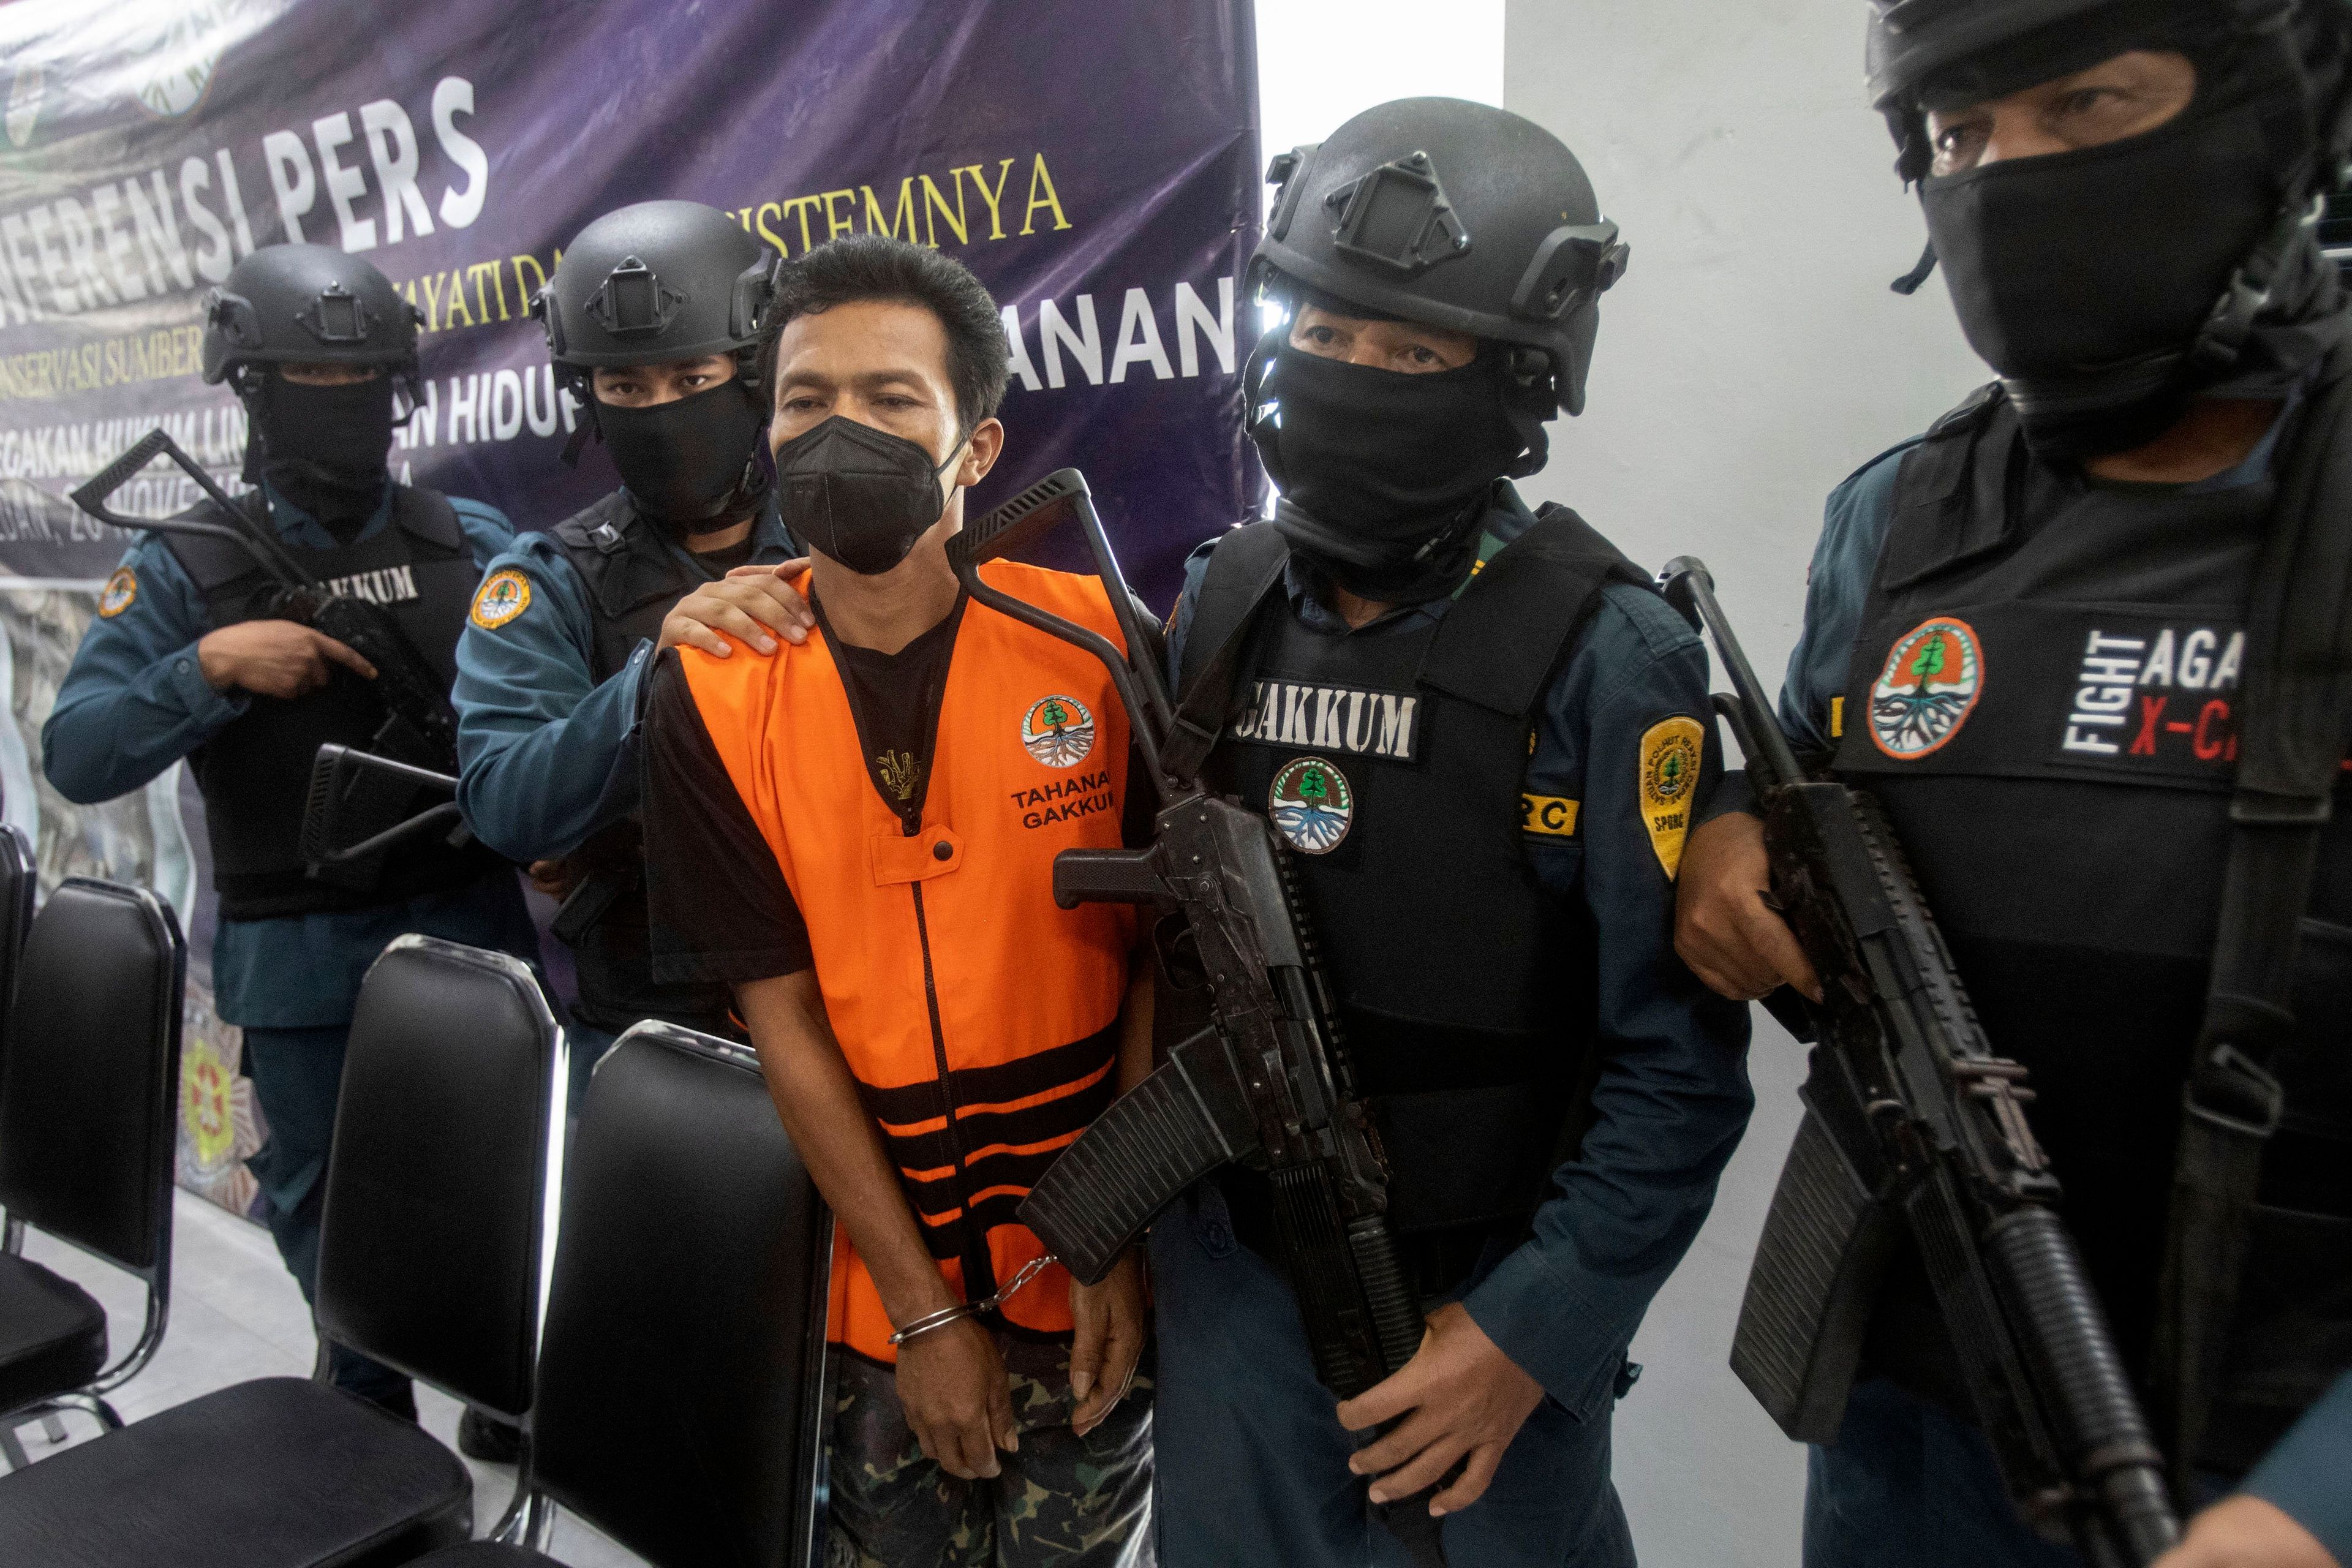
(1063, 1499)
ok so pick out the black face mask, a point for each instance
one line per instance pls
(684, 462)
(1384, 475)
(323, 447)
(859, 495)
(2084, 277)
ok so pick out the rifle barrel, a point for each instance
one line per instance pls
(1686, 578)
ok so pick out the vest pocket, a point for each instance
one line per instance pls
(2293, 1332)
(2316, 1069)
(2292, 1337)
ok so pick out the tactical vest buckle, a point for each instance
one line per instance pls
(2230, 1091)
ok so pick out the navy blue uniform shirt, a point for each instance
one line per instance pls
(545, 754)
(136, 701)
(1672, 1097)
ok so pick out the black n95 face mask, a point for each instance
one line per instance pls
(2083, 278)
(684, 461)
(859, 495)
(1382, 470)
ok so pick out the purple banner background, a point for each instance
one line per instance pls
(1098, 166)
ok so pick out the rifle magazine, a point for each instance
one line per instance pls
(1825, 1246)
(1139, 1157)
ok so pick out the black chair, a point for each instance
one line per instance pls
(89, 1074)
(449, 1136)
(681, 1383)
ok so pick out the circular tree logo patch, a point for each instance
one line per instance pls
(1931, 681)
(502, 596)
(121, 592)
(1311, 806)
(1058, 732)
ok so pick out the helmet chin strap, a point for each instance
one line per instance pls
(587, 429)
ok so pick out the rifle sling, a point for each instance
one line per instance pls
(2297, 697)
(1239, 578)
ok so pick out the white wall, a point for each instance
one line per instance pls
(1322, 62)
(1754, 355)
(1751, 359)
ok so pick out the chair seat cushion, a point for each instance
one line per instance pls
(485, 1554)
(52, 1333)
(276, 1473)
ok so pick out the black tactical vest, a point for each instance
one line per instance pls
(2043, 695)
(634, 579)
(255, 773)
(1393, 766)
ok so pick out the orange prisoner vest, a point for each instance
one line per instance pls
(977, 1017)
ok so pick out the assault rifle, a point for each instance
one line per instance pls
(352, 793)
(1913, 1119)
(1268, 1083)
(419, 727)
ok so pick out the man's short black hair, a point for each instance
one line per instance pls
(881, 266)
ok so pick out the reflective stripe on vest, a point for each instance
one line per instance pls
(977, 1017)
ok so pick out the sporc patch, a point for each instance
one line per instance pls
(122, 591)
(1058, 732)
(502, 596)
(1670, 761)
(1311, 806)
(1933, 676)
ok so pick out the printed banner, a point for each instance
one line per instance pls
(1096, 166)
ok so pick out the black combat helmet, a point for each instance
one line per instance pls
(654, 283)
(307, 304)
(1454, 215)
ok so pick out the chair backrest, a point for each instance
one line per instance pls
(681, 1382)
(441, 1185)
(89, 1083)
(19, 878)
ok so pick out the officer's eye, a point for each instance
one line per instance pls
(2088, 101)
(1958, 144)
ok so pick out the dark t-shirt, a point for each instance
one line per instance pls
(719, 563)
(894, 698)
(718, 905)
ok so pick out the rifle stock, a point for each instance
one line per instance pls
(1914, 1123)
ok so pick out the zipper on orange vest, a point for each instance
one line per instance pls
(979, 1270)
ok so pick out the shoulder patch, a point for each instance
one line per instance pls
(503, 595)
(1670, 765)
(121, 592)
(1548, 815)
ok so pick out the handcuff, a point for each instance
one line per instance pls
(962, 1309)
